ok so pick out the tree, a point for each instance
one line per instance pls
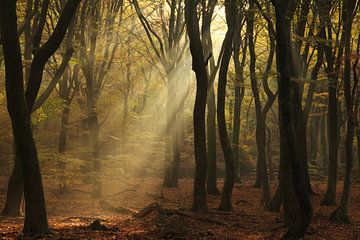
(299, 61)
(35, 222)
(169, 49)
(101, 18)
(96, 53)
(207, 10)
(239, 44)
(260, 111)
(41, 56)
(332, 70)
(351, 92)
(199, 67)
(231, 11)
(292, 168)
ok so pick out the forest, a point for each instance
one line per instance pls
(180, 119)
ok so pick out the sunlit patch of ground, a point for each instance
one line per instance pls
(70, 215)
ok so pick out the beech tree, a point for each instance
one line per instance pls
(292, 179)
(260, 111)
(207, 11)
(35, 222)
(231, 11)
(35, 74)
(199, 67)
(169, 47)
(350, 92)
(333, 66)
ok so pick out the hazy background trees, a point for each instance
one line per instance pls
(218, 91)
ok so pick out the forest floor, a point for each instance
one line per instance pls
(71, 214)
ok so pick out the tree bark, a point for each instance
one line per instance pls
(15, 189)
(350, 92)
(64, 127)
(239, 91)
(199, 67)
(332, 116)
(262, 174)
(289, 156)
(207, 16)
(33, 83)
(231, 10)
(35, 222)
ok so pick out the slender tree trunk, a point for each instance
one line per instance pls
(231, 10)
(212, 188)
(332, 116)
(63, 128)
(172, 137)
(323, 163)
(207, 14)
(239, 93)
(269, 155)
(262, 175)
(314, 138)
(94, 128)
(341, 213)
(315, 121)
(199, 67)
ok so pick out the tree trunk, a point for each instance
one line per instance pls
(314, 137)
(212, 188)
(207, 15)
(239, 93)
(35, 222)
(15, 190)
(341, 213)
(35, 78)
(290, 161)
(64, 127)
(269, 155)
(172, 154)
(275, 203)
(332, 116)
(199, 67)
(94, 128)
(323, 162)
(231, 11)
(261, 169)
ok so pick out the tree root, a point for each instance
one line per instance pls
(339, 216)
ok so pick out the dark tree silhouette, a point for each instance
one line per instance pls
(207, 10)
(350, 92)
(199, 67)
(231, 10)
(292, 166)
(41, 56)
(35, 222)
